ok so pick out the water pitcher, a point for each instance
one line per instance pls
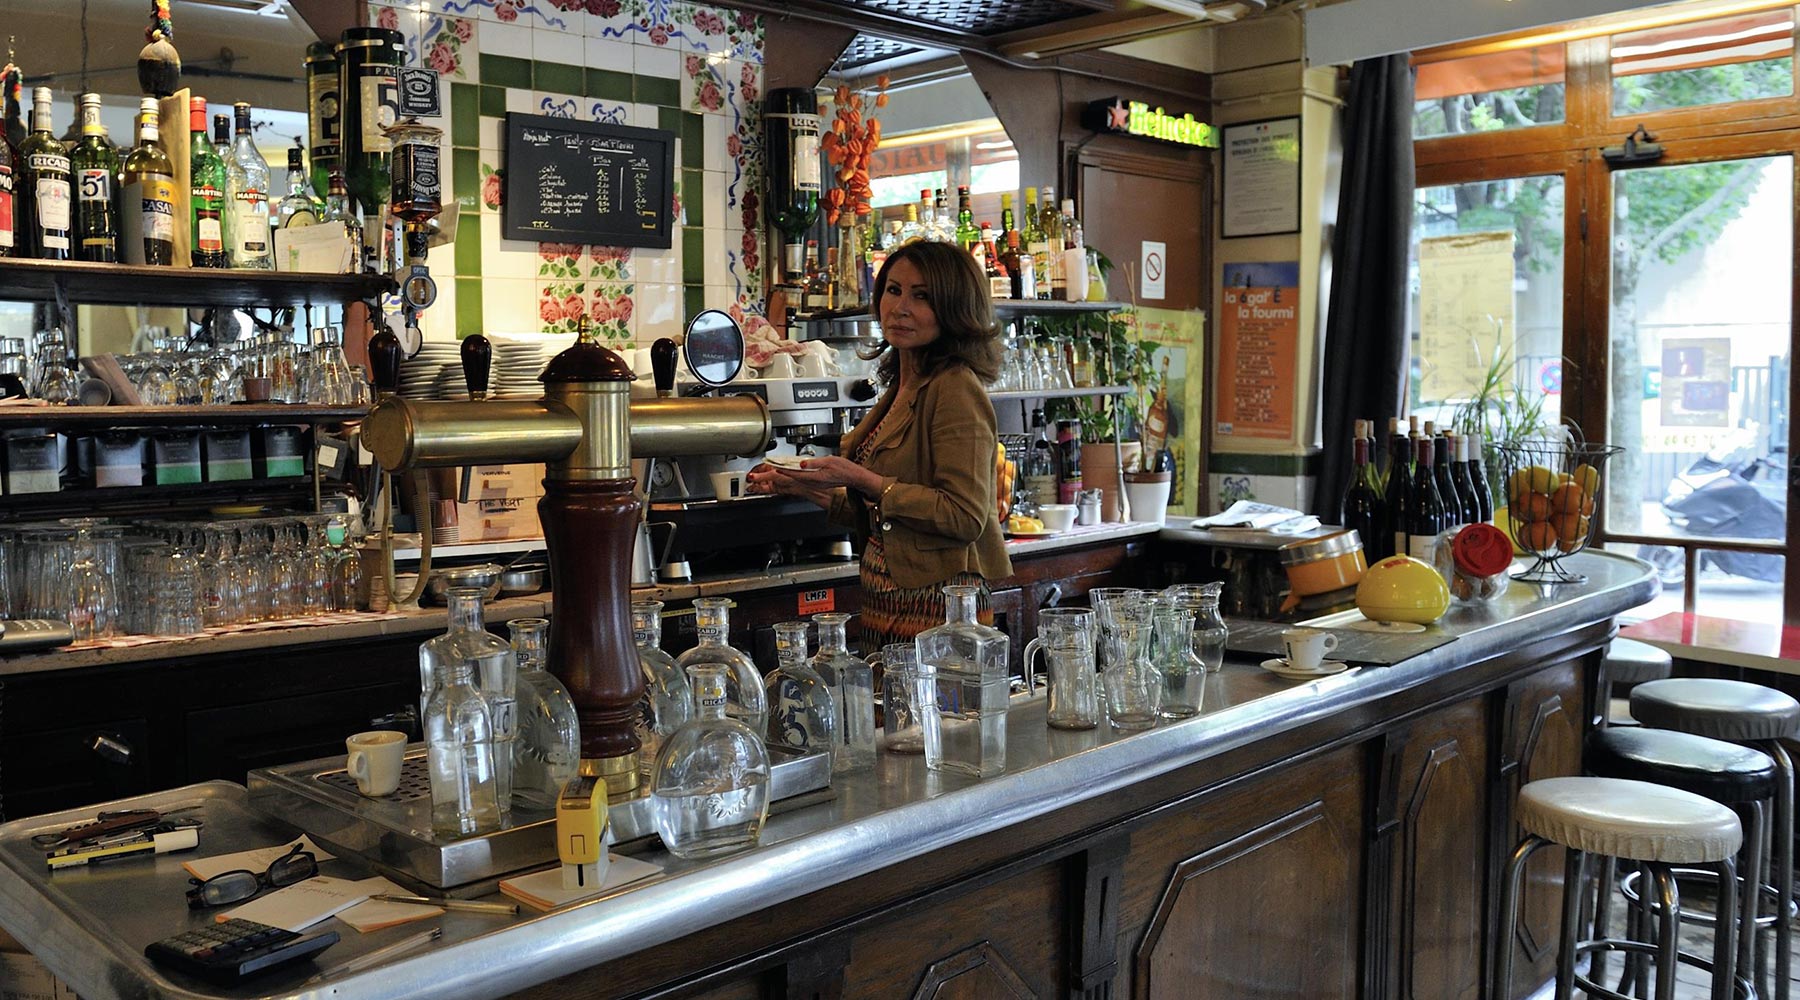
(965, 726)
(1066, 637)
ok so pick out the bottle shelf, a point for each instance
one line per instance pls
(1002, 307)
(127, 284)
(1097, 390)
(95, 417)
(144, 499)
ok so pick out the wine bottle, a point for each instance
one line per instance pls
(206, 172)
(1361, 507)
(1020, 268)
(6, 192)
(1459, 475)
(791, 128)
(999, 282)
(46, 213)
(147, 195)
(1425, 515)
(1040, 462)
(1398, 496)
(1446, 486)
(1484, 497)
(94, 165)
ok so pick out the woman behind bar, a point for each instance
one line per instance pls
(915, 478)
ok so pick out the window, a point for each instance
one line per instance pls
(1520, 88)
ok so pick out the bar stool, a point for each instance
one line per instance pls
(1736, 776)
(1629, 661)
(1760, 717)
(1654, 825)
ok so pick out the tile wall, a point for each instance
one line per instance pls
(693, 70)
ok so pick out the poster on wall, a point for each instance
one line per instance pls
(1696, 382)
(1465, 311)
(1259, 337)
(1181, 338)
(1261, 178)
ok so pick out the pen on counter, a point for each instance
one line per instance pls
(457, 905)
(160, 843)
(361, 962)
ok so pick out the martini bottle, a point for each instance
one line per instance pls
(206, 173)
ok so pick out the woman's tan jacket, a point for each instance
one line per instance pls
(934, 449)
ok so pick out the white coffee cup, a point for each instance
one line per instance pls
(1306, 647)
(811, 366)
(779, 366)
(728, 485)
(375, 761)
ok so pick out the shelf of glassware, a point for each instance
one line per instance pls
(128, 284)
(1092, 390)
(241, 414)
(1002, 307)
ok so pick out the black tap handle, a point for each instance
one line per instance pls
(662, 365)
(478, 363)
(384, 360)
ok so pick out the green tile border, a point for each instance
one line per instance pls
(693, 196)
(558, 78)
(465, 179)
(669, 120)
(693, 300)
(609, 84)
(468, 245)
(465, 115)
(505, 71)
(1262, 465)
(693, 140)
(693, 255)
(660, 90)
(493, 102)
(468, 304)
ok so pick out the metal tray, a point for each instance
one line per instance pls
(393, 832)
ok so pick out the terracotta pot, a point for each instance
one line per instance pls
(1148, 494)
(1100, 470)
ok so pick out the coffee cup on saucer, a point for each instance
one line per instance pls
(1306, 647)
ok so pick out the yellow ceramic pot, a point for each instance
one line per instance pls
(1402, 589)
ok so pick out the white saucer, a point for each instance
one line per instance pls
(1279, 666)
(1387, 628)
(785, 461)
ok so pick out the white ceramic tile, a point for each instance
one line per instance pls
(658, 310)
(713, 240)
(654, 60)
(439, 322)
(657, 266)
(648, 116)
(520, 100)
(552, 45)
(714, 129)
(509, 305)
(717, 213)
(558, 105)
(490, 131)
(605, 53)
(506, 40)
(720, 297)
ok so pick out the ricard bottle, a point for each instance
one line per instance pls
(45, 204)
(547, 753)
(668, 700)
(709, 789)
(744, 699)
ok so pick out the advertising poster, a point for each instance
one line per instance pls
(1181, 334)
(1259, 337)
(1465, 311)
(1696, 382)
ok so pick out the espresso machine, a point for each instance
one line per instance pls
(587, 429)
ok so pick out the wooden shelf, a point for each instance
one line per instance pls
(126, 284)
(1002, 308)
(91, 417)
(1098, 390)
(140, 499)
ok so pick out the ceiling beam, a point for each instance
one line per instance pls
(798, 54)
(329, 18)
(1090, 32)
(868, 20)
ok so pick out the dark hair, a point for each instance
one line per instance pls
(961, 303)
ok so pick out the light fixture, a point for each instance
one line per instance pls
(981, 126)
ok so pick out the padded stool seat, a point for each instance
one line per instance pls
(1721, 771)
(1629, 819)
(1721, 709)
(1629, 661)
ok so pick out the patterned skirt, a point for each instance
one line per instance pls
(892, 613)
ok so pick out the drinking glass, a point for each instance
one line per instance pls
(93, 602)
(175, 594)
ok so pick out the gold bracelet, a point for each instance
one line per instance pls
(883, 497)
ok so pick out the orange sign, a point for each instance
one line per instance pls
(814, 601)
(1259, 334)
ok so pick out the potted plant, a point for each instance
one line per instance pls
(1113, 428)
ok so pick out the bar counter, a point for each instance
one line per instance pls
(1331, 838)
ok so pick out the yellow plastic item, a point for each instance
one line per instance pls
(1402, 589)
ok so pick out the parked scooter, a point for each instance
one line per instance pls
(1726, 493)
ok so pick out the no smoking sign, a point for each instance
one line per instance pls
(1155, 270)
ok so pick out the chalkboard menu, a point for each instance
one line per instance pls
(570, 181)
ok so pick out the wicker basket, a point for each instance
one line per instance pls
(1553, 492)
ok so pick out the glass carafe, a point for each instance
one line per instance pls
(710, 788)
(93, 601)
(459, 739)
(1210, 631)
(498, 678)
(668, 699)
(1066, 637)
(466, 639)
(346, 566)
(547, 752)
(743, 682)
(965, 730)
(1132, 682)
(802, 712)
(852, 683)
(316, 568)
(1172, 650)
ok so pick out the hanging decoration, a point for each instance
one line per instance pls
(852, 140)
(159, 65)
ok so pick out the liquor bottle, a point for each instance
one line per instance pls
(710, 787)
(852, 684)
(247, 198)
(943, 227)
(497, 676)
(814, 280)
(1020, 267)
(45, 210)
(1074, 261)
(1387, 459)
(967, 235)
(16, 132)
(999, 282)
(668, 698)
(369, 61)
(206, 172)
(1006, 218)
(1068, 474)
(1363, 509)
(1036, 244)
(912, 230)
(7, 245)
(1156, 418)
(1469, 507)
(459, 740)
(793, 178)
(1484, 499)
(1425, 514)
(337, 210)
(94, 165)
(1050, 221)
(1397, 497)
(147, 195)
(465, 639)
(1040, 462)
(547, 753)
(323, 119)
(743, 682)
(803, 713)
(299, 207)
(1446, 486)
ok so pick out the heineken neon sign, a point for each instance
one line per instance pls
(1121, 117)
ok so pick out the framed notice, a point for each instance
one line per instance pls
(1259, 338)
(1261, 170)
(571, 181)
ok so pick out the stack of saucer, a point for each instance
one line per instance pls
(420, 374)
(516, 368)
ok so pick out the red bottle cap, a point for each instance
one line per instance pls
(196, 114)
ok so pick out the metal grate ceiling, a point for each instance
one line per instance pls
(980, 17)
(865, 50)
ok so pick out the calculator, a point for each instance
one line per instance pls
(236, 949)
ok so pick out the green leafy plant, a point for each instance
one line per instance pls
(1121, 357)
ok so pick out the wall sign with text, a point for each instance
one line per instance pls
(1118, 116)
(1261, 178)
(1259, 343)
(570, 181)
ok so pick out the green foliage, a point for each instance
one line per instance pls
(1644, 92)
(1121, 357)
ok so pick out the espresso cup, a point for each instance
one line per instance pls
(375, 761)
(727, 485)
(811, 365)
(1306, 647)
(779, 366)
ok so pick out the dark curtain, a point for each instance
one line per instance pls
(1365, 331)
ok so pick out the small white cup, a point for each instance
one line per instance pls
(728, 485)
(1306, 647)
(811, 366)
(779, 366)
(375, 761)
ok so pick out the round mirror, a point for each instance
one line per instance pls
(714, 347)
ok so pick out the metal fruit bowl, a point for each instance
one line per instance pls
(1553, 491)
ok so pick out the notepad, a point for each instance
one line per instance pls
(374, 914)
(544, 890)
(303, 904)
(257, 860)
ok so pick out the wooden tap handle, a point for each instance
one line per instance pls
(384, 359)
(478, 364)
(662, 365)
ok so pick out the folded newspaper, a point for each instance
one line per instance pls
(1247, 514)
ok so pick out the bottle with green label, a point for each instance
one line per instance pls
(95, 166)
(206, 178)
(45, 214)
(147, 195)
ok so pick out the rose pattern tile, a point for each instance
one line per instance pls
(561, 306)
(610, 309)
(560, 261)
(611, 264)
(702, 85)
(536, 13)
